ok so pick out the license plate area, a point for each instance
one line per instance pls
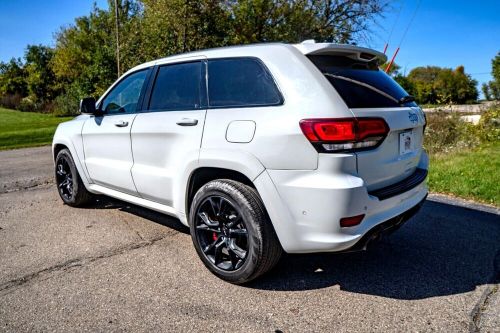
(406, 142)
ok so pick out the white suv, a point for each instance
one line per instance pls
(258, 149)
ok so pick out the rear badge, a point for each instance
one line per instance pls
(413, 117)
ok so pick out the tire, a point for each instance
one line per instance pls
(69, 184)
(240, 209)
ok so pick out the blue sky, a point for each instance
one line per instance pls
(444, 33)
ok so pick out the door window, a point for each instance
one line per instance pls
(124, 97)
(177, 87)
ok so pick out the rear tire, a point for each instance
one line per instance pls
(232, 232)
(69, 184)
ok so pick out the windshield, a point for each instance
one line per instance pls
(361, 84)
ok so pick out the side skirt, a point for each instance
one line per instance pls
(135, 200)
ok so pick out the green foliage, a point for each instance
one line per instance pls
(489, 125)
(436, 85)
(491, 90)
(40, 78)
(486, 91)
(495, 66)
(67, 104)
(85, 53)
(447, 132)
(465, 159)
(84, 60)
(393, 71)
(13, 78)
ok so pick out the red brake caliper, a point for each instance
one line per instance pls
(214, 236)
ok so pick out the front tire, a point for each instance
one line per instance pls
(231, 231)
(69, 184)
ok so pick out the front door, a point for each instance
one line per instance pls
(106, 138)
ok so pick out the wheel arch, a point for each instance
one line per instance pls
(203, 175)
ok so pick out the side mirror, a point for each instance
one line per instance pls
(87, 105)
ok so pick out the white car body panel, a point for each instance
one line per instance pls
(161, 149)
(150, 162)
(108, 153)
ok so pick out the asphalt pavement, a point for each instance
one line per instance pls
(118, 267)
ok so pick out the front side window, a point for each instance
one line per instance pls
(236, 82)
(177, 87)
(124, 97)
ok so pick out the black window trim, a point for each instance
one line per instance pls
(152, 80)
(141, 96)
(264, 67)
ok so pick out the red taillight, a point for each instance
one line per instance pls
(351, 221)
(335, 131)
(346, 133)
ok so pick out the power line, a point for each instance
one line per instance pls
(393, 26)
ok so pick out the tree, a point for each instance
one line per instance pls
(41, 81)
(13, 78)
(486, 91)
(438, 85)
(340, 21)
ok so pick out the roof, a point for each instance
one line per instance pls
(308, 47)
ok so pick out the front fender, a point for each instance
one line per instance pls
(69, 134)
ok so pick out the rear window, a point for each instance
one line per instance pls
(361, 84)
(177, 87)
(237, 82)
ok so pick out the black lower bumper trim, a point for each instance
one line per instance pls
(385, 228)
(400, 187)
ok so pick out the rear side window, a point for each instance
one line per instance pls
(237, 82)
(177, 87)
(361, 84)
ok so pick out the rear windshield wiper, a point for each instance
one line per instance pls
(406, 99)
(366, 85)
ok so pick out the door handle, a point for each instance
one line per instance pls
(121, 123)
(187, 122)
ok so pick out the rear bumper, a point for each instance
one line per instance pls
(385, 228)
(306, 206)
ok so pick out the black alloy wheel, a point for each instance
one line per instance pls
(64, 179)
(221, 233)
(69, 184)
(232, 232)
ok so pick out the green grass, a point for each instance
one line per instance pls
(471, 174)
(26, 129)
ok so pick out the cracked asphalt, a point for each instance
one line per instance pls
(118, 267)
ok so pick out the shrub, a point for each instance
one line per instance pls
(489, 125)
(28, 104)
(67, 104)
(446, 132)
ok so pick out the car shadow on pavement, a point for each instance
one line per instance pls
(104, 202)
(443, 250)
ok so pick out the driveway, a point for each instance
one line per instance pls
(119, 267)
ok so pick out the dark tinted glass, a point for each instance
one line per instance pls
(125, 95)
(240, 82)
(177, 87)
(361, 84)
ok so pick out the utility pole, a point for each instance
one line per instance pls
(117, 39)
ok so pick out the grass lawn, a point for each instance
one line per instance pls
(26, 129)
(473, 174)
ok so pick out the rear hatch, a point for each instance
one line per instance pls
(369, 92)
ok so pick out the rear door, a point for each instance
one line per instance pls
(106, 138)
(168, 131)
(369, 92)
